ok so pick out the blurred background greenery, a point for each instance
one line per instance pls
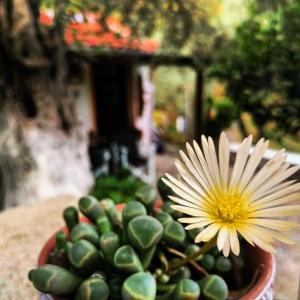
(251, 75)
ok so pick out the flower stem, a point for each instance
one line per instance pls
(205, 248)
(193, 263)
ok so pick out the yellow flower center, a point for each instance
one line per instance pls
(229, 206)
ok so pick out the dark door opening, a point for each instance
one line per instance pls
(111, 97)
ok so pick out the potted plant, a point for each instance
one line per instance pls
(146, 253)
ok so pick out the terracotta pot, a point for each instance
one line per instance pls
(256, 259)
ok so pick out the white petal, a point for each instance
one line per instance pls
(190, 211)
(191, 167)
(280, 237)
(226, 247)
(266, 172)
(281, 174)
(190, 179)
(193, 220)
(277, 202)
(245, 235)
(185, 203)
(198, 225)
(240, 161)
(181, 189)
(203, 164)
(273, 224)
(261, 243)
(208, 233)
(279, 194)
(279, 187)
(222, 236)
(203, 179)
(214, 160)
(254, 160)
(234, 241)
(281, 211)
(208, 160)
(224, 155)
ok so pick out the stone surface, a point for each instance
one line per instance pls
(23, 232)
(287, 277)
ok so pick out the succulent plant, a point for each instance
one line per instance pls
(54, 280)
(135, 254)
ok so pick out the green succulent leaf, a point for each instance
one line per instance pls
(213, 287)
(164, 218)
(139, 286)
(85, 231)
(71, 218)
(109, 244)
(223, 264)
(167, 208)
(187, 289)
(132, 210)
(93, 288)
(126, 260)
(54, 280)
(207, 261)
(144, 232)
(174, 234)
(91, 208)
(60, 241)
(83, 255)
(110, 209)
(147, 195)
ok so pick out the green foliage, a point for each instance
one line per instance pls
(144, 232)
(132, 210)
(174, 234)
(187, 289)
(261, 67)
(109, 243)
(213, 287)
(207, 261)
(86, 232)
(164, 218)
(223, 264)
(147, 195)
(139, 286)
(83, 255)
(55, 280)
(120, 190)
(219, 115)
(127, 260)
(93, 288)
(71, 218)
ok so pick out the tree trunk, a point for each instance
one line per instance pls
(43, 147)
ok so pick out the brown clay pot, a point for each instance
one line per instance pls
(262, 289)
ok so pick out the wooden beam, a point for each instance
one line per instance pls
(198, 105)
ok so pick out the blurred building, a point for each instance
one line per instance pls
(110, 81)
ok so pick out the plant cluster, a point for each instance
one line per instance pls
(140, 252)
(119, 189)
(220, 113)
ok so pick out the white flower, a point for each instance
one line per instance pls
(244, 201)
